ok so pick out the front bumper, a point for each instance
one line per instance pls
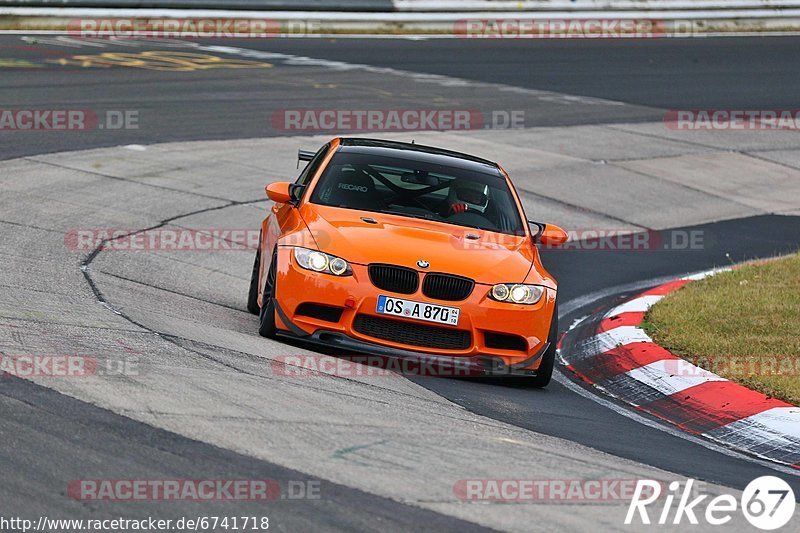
(417, 363)
(356, 295)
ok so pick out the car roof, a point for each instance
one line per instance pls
(418, 152)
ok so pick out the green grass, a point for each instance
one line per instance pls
(743, 325)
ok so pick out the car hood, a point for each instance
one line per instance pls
(491, 258)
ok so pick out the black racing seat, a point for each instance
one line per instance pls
(353, 189)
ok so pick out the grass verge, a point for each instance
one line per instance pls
(743, 325)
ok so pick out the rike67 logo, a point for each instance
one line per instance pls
(767, 502)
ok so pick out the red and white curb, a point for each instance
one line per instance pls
(610, 351)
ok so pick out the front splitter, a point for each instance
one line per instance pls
(416, 363)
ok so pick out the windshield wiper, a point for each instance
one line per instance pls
(439, 219)
(433, 218)
(409, 215)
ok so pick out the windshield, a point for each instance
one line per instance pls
(419, 189)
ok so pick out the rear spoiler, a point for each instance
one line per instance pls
(305, 155)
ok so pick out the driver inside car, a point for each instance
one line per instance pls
(465, 196)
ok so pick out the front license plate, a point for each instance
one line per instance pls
(418, 310)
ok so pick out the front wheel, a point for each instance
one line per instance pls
(545, 371)
(252, 294)
(267, 326)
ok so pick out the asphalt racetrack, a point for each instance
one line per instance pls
(648, 76)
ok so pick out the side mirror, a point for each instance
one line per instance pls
(549, 234)
(279, 192)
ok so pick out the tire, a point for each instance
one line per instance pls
(266, 327)
(252, 294)
(545, 371)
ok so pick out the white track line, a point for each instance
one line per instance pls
(780, 420)
(661, 376)
(632, 415)
(563, 378)
(621, 336)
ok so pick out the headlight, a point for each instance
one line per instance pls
(500, 292)
(322, 262)
(338, 266)
(518, 294)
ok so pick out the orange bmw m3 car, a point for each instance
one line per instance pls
(407, 251)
